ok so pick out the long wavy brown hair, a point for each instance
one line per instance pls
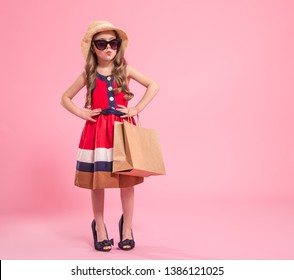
(119, 72)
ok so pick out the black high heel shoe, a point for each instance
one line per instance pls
(100, 245)
(126, 242)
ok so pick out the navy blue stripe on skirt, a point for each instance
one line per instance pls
(93, 167)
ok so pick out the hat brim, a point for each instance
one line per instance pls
(97, 27)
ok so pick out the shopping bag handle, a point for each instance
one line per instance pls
(138, 119)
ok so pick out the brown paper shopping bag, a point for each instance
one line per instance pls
(136, 151)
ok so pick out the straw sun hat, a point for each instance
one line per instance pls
(100, 26)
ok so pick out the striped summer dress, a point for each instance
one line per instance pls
(94, 163)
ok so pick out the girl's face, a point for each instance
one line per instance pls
(111, 48)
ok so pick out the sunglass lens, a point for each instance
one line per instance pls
(114, 44)
(100, 44)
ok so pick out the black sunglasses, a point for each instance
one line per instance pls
(102, 44)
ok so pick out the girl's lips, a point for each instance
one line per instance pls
(108, 53)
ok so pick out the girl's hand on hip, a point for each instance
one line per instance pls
(88, 114)
(129, 112)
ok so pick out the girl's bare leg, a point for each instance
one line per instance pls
(127, 200)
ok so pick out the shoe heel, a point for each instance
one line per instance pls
(93, 226)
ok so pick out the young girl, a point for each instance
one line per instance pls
(106, 78)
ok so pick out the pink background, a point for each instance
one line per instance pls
(224, 113)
